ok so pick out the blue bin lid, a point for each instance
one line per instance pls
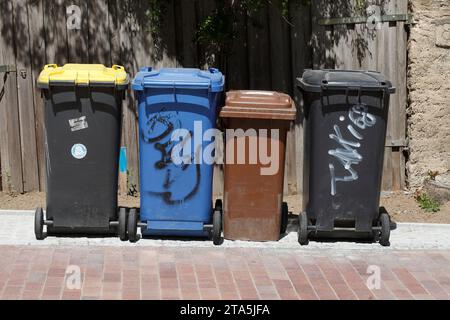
(183, 78)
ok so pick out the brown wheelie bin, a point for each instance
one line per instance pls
(256, 125)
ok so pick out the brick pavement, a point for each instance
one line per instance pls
(39, 272)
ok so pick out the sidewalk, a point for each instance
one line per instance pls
(416, 266)
(17, 228)
(224, 273)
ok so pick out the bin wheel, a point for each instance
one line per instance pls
(385, 230)
(217, 228)
(303, 229)
(284, 218)
(123, 224)
(132, 225)
(39, 224)
(219, 205)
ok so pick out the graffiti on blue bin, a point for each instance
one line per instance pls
(158, 133)
(348, 154)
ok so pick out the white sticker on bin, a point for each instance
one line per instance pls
(78, 124)
(79, 151)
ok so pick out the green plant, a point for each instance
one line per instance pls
(219, 28)
(155, 14)
(360, 4)
(426, 203)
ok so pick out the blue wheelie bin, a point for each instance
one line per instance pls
(177, 107)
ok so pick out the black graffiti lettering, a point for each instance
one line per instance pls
(167, 196)
(166, 148)
(168, 182)
(165, 120)
(165, 155)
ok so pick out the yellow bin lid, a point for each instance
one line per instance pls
(83, 75)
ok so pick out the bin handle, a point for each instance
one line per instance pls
(175, 92)
(347, 91)
(117, 67)
(327, 86)
(51, 66)
(360, 89)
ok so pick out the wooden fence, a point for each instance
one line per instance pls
(269, 52)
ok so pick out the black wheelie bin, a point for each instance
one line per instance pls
(346, 114)
(83, 112)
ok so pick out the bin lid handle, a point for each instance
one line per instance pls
(381, 85)
(139, 82)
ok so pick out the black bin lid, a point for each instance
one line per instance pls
(320, 80)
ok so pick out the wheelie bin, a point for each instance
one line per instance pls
(177, 111)
(83, 108)
(256, 125)
(346, 114)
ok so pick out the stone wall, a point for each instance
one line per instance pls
(429, 90)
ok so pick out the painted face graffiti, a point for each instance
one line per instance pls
(348, 154)
(158, 133)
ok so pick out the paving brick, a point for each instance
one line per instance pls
(414, 287)
(12, 293)
(221, 273)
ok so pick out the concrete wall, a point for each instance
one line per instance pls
(429, 90)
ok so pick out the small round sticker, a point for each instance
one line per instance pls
(79, 151)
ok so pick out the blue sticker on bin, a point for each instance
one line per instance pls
(123, 160)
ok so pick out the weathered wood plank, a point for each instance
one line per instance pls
(384, 66)
(143, 43)
(115, 54)
(402, 65)
(280, 50)
(301, 59)
(25, 97)
(322, 39)
(366, 47)
(128, 60)
(218, 176)
(395, 102)
(37, 46)
(98, 26)
(12, 175)
(205, 8)
(114, 31)
(237, 57)
(186, 16)
(167, 56)
(114, 24)
(343, 36)
(77, 28)
(259, 50)
(55, 32)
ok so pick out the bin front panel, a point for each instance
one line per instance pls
(257, 124)
(252, 201)
(344, 151)
(82, 127)
(176, 198)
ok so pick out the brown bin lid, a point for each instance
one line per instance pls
(258, 105)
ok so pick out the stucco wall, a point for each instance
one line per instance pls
(429, 90)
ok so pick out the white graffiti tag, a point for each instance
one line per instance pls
(360, 116)
(347, 154)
